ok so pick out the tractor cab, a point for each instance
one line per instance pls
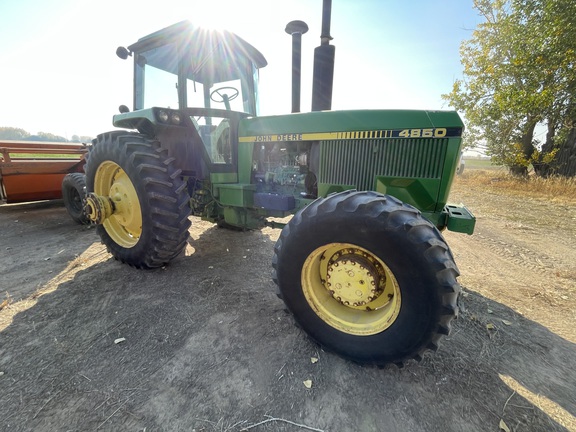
(193, 85)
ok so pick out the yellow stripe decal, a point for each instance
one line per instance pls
(324, 136)
(296, 137)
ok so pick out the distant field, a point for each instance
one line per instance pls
(481, 164)
(43, 156)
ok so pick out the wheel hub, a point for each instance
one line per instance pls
(353, 279)
(115, 204)
(122, 200)
(351, 288)
(98, 208)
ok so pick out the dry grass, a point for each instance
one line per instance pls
(557, 189)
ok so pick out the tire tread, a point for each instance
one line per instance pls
(161, 190)
(421, 233)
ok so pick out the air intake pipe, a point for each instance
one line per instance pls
(296, 29)
(323, 80)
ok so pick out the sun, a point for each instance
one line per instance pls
(218, 14)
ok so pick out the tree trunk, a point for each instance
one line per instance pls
(527, 138)
(527, 148)
(565, 162)
(518, 170)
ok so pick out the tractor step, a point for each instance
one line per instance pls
(460, 219)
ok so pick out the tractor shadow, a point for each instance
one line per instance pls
(204, 343)
(38, 241)
(508, 366)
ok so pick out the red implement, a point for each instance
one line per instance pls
(33, 171)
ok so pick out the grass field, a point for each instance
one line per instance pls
(498, 180)
(481, 164)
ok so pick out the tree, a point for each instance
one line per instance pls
(81, 139)
(559, 20)
(10, 133)
(46, 136)
(519, 74)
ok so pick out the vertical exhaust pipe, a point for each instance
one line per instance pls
(296, 29)
(323, 80)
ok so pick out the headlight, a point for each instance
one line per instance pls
(175, 118)
(163, 116)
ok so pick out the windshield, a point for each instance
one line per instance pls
(168, 76)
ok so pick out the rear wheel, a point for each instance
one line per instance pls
(138, 199)
(367, 277)
(73, 194)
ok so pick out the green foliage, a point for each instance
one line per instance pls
(519, 73)
(11, 133)
(81, 139)
(45, 136)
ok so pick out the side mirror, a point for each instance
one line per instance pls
(122, 52)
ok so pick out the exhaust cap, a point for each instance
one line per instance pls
(296, 27)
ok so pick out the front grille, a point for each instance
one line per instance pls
(357, 162)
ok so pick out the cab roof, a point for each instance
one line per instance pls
(220, 45)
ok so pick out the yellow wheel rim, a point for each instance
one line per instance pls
(351, 289)
(124, 226)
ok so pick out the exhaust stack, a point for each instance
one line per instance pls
(323, 80)
(296, 29)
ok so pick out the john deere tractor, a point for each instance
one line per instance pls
(361, 265)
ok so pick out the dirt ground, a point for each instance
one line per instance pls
(87, 343)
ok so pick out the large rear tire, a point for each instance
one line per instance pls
(148, 224)
(366, 276)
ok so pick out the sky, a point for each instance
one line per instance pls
(59, 72)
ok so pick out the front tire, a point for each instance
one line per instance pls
(148, 224)
(366, 276)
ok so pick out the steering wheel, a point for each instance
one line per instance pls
(224, 97)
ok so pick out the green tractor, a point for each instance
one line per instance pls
(361, 265)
